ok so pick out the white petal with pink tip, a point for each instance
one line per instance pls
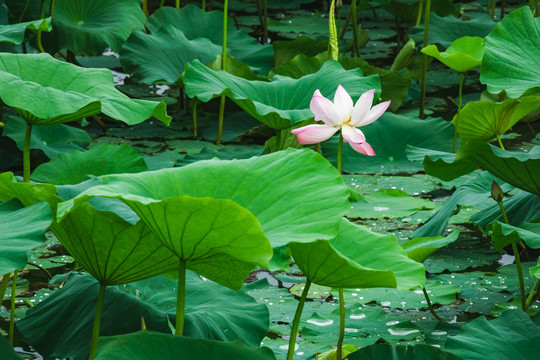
(313, 134)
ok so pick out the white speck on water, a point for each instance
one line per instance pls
(320, 323)
(351, 330)
(386, 303)
(358, 317)
(380, 208)
(392, 323)
(402, 332)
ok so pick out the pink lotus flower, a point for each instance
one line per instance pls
(341, 114)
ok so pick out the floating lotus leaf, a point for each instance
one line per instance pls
(46, 91)
(402, 352)
(22, 230)
(483, 121)
(295, 194)
(358, 258)
(61, 325)
(512, 59)
(498, 338)
(91, 26)
(282, 102)
(14, 33)
(462, 55)
(75, 167)
(146, 345)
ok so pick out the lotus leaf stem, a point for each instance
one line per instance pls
(341, 324)
(430, 305)
(500, 141)
(203, 5)
(97, 321)
(177, 4)
(424, 60)
(533, 296)
(339, 152)
(223, 67)
(24, 11)
(462, 77)
(345, 24)
(26, 153)
(161, 3)
(51, 8)
(181, 299)
(354, 14)
(296, 321)
(265, 22)
(145, 8)
(518, 260)
(419, 17)
(12, 310)
(195, 118)
(2, 124)
(4, 285)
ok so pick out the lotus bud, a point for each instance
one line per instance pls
(496, 192)
(339, 4)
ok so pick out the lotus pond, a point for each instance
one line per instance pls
(253, 179)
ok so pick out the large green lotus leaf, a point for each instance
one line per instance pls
(388, 203)
(364, 326)
(14, 33)
(282, 102)
(504, 234)
(523, 206)
(499, 338)
(419, 249)
(445, 30)
(163, 54)
(462, 55)
(52, 140)
(8, 353)
(408, 10)
(295, 194)
(286, 50)
(358, 258)
(26, 193)
(512, 59)
(402, 352)
(28, 83)
(146, 345)
(217, 238)
(22, 230)
(435, 163)
(483, 121)
(76, 166)
(61, 325)
(111, 249)
(196, 23)
(91, 26)
(389, 136)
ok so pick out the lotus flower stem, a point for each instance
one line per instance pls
(518, 260)
(4, 285)
(462, 77)
(26, 153)
(223, 67)
(51, 8)
(38, 33)
(97, 321)
(345, 24)
(265, 22)
(12, 310)
(424, 60)
(354, 15)
(161, 3)
(195, 118)
(180, 299)
(533, 296)
(339, 152)
(430, 305)
(500, 141)
(178, 4)
(419, 17)
(341, 324)
(296, 321)
(145, 8)
(493, 7)
(203, 5)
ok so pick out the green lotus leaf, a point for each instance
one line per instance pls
(358, 258)
(7, 351)
(282, 102)
(163, 54)
(146, 345)
(402, 352)
(511, 65)
(388, 203)
(295, 194)
(91, 26)
(110, 248)
(52, 140)
(504, 234)
(27, 85)
(498, 338)
(14, 33)
(76, 166)
(445, 30)
(462, 55)
(26, 193)
(22, 230)
(436, 163)
(235, 67)
(535, 270)
(29, 10)
(196, 33)
(408, 10)
(420, 249)
(286, 50)
(483, 121)
(61, 325)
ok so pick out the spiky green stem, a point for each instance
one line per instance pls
(97, 321)
(296, 321)
(180, 299)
